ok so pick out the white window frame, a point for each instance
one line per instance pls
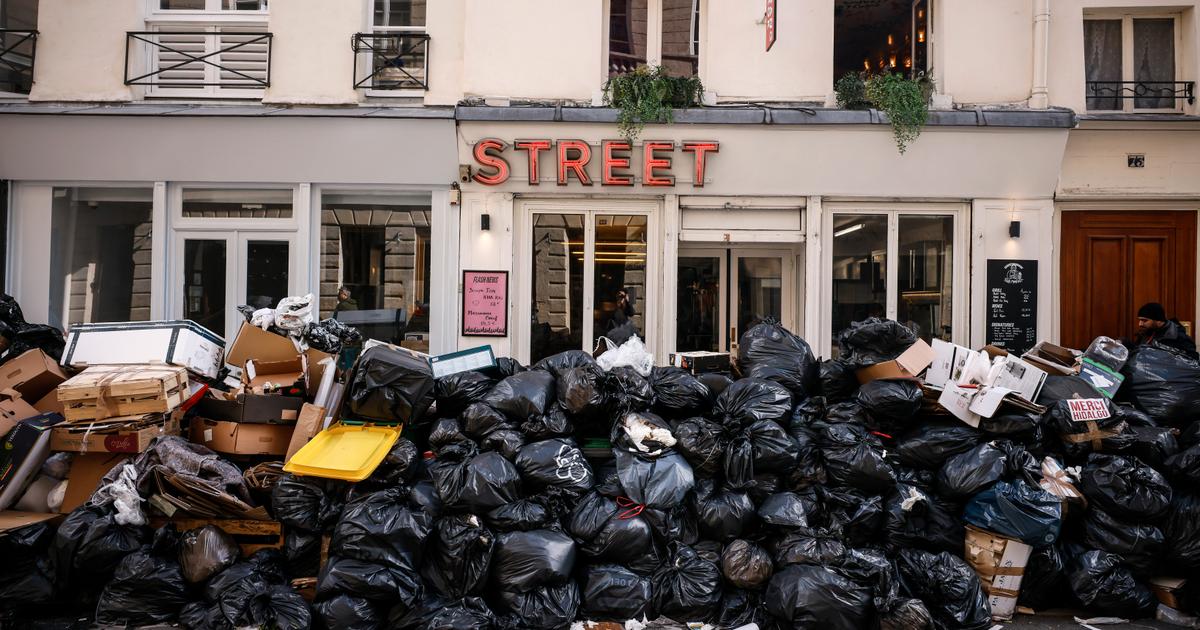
(654, 26)
(212, 10)
(1127, 70)
(367, 62)
(522, 288)
(961, 309)
(211, 19)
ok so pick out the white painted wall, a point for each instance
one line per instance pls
(445, 21)
(29, 244)
(737, 66)
(310, 52)
(1095, 163)
(990, 240)
(988, 50)
(81, 49)
(488, 250)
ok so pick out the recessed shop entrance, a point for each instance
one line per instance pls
(722, 291)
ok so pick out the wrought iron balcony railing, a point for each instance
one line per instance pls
(18, 48)
(394, 61)
(1146, 94)
(225, 59)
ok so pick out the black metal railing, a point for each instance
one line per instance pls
(397, 61)
(236, 61)
(1147, 94)
(18, 49)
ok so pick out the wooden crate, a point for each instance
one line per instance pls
(249, 535)
(105, 391)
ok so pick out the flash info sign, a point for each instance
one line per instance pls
(617, 162)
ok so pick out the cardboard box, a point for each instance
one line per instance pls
(288, 377)
(700, 362)
(312, 420)
(24, 451)
(1100, 377)
(1053, 358)
(252, 408)
(34, 374)
(253, 342)
(136, 439)
(239, 438)
(50, 404)
(106, 391)
(177, 342)
(13, 409)
(1000, 563)
(86, 472)
(12, 520)
(908, 365)
(1168, 590)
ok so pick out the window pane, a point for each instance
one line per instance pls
(100, 255)
(681, 37)
(925, 275)
(204, 283)
(698, 311)
(236, 204)
(266, 273)
(182, 5)
(859, 269)
(1102, 63)
(1154, 62)
(378, 251)
(627, 25)
(557, 323)
(619, 274)
(398, 61)
(16, 64)
(760, 291)
(399, 13)
(874, 36)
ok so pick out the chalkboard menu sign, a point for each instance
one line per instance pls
(1012, 287)
(485, 304)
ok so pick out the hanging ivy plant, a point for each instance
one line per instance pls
(904, 100)
(647, 95)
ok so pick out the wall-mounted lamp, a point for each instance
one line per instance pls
(455, 194)
(1014, 229)
(485, 221)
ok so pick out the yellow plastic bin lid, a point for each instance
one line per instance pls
(346, 452)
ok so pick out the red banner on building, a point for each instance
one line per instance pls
(769, 19)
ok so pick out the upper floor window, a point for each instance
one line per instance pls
(18, 36)
(875, 37)
(676, 46)
(393, 54)
(1130, 63)
(212, 5)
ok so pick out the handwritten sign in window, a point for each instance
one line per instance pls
(485, 304)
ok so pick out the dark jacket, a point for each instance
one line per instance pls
(1172, 336)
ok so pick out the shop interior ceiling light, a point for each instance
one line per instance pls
(844, 231)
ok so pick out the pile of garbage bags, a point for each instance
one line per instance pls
(786, 494)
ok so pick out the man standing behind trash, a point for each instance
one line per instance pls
(1154, 327)
(345, 302)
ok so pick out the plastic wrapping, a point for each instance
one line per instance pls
(630, 353)
(1164, 383)
(205, 552)
(1017, 510)
(389, 385)
(810, 596)
(874, 341)
(614, 593)
(679, 394)
(769, 351)
(1107, 352)
(522, 395)
(523, 561)
(687, 587)
(854, 457)
(330, 336)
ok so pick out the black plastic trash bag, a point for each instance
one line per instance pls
(478, 420)
(838, 381)
(523, 561)
(722, 513)
(280, 607)
(1163, 382)
(89, 543)
(741, 608)
(969, 473)
(854, 457)
(348, 612)
(1181, 529)
(628, 391)
(906, 614)
(660, 482)
(476, 484)
(1091, 436)
(860, 516)
(1184, 467)
(544, 608)
(930, 445)
(309, 503)
(26, 577)
(716, 383)
(582, 390)
(702, 443)
(1102, 583)
(401, 465)
(750, 399)
(468, 613)
(1124, 487)
(678, 394)
(611, 532)
(147, 586)
(784, 510)
(746, 565)
(948, 586)
(769, 351)
(330, 335)
(447, 440)
(1045, 583)
(920, 520)
(891, 404)
(613, 593)
(553, 423)
(458, 555)
(523, 395)
(1017, 510)
(1155, 446)
(375, 581)
(301, 551)
(205, 552)
(687, 587)
(873, 341)
(389, 385)
(1023, 427)
(556, 364)
(809, 596)
(1140, 545)
(384, 530)
(554, 463)
(456, 391)
(809, 545)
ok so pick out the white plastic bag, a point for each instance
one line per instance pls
(124, 497)
(294, 313)
(632, 354)
(263, 318)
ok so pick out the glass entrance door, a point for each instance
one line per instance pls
(722, 292)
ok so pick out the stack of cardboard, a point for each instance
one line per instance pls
(29, 408)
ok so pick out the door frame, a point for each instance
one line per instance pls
(522, 311)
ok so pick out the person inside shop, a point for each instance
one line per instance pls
(622, 314)
(1155, 327)
(345, 302)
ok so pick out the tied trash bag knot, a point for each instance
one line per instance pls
(631, 508)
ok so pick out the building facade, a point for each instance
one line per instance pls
(175, 158)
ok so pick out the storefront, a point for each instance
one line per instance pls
(145, 212)
(703, 227)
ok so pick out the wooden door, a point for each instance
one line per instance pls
(1113, 262)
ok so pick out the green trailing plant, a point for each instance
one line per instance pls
(647, 95)
(905, 103)
(851, 92)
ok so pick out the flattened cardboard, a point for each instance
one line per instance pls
(34, 374)
(86, 472)
(308, 426)
(1053, 358)
(13, 519)
(908, 365)
(1168, 590)
(239, 438)
(252, 409)
(13, 409)
(135, 441)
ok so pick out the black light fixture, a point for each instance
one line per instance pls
(485, 221)
(1014, 229)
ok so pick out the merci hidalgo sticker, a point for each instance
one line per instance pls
(1086, 409)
